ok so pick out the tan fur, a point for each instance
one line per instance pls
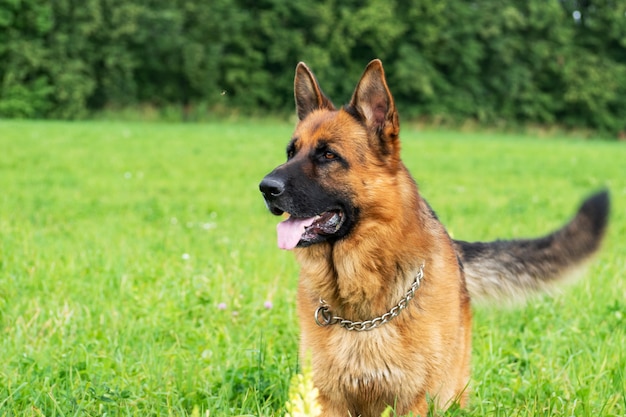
(426, 349)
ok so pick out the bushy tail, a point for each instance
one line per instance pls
(512, 269)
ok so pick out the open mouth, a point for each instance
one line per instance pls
(308, 230)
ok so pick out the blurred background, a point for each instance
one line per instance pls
(491, 62)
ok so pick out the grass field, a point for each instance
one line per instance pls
(139, 273)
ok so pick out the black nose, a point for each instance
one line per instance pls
(272, 187)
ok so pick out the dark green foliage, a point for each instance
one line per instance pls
(523, 61)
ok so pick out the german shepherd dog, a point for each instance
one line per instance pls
(384, 292)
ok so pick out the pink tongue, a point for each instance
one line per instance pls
(290, 231)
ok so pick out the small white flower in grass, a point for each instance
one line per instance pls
(221, 306)
(195, 412)
(185, 256)
(268, 305)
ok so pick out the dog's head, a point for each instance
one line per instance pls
(337, 160)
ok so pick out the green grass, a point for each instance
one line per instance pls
(136, 260)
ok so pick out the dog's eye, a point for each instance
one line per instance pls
(324, 154)
(291, 152)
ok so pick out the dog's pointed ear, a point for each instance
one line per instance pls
(307, 93)
(373, 101)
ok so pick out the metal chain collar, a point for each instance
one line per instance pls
(324, 316)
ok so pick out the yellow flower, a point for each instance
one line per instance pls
(303, 395)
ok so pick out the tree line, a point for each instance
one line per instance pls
(526, 61)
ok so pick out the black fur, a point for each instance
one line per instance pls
(528, 265)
